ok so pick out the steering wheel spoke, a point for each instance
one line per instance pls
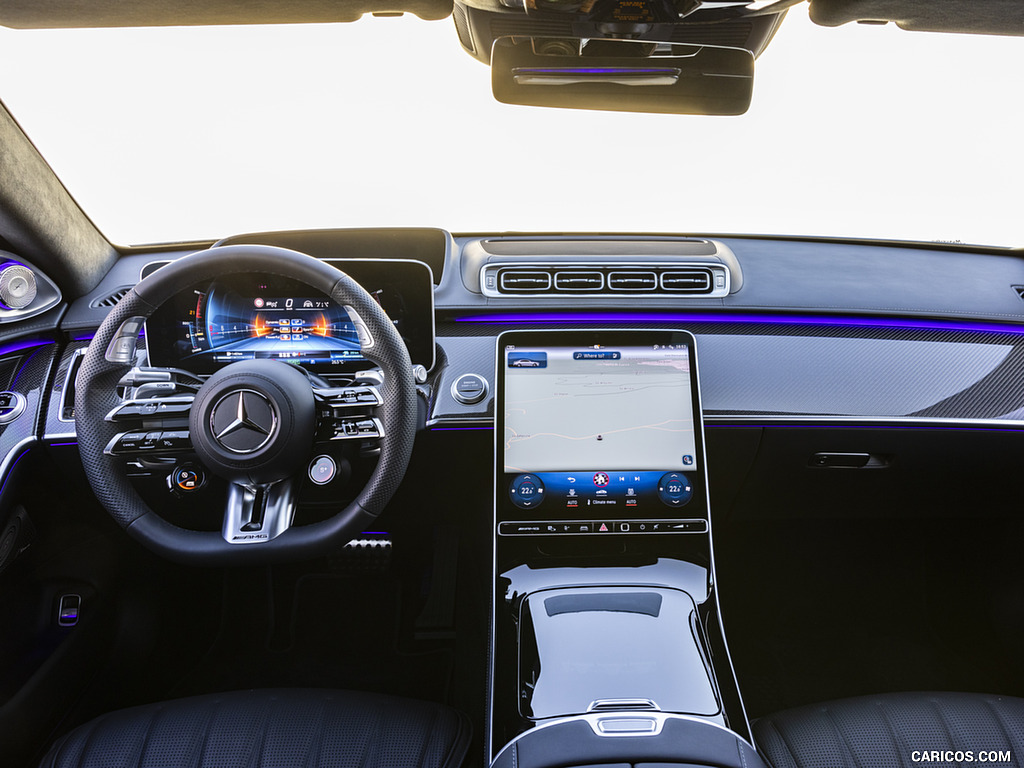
(258, 513)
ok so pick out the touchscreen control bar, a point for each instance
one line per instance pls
(601, 490)
(598, 527)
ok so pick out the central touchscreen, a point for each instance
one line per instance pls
(599, 426)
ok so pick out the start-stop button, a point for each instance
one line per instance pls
(469, 388)
(322, 470)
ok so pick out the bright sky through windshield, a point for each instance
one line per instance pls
(190, 133)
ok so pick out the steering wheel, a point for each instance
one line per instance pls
(254, 423)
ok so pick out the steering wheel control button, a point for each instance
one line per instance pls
(243, 421)
(12, 405)
(127, 442)
(675, 489)
(351, 397)
(322, 470)
(526, 491)
(186, 478)
(177, 440)
(152, 409)
(355, 427)
(469, 388)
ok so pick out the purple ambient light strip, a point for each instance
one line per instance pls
(21, 346)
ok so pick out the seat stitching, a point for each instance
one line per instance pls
(785, 743)
(842, 739)
(211, 714)
(460, 743)
(318, 737)
(999, 722)
(145, 738)
(88, 739)
(880, 706)
(739, 748)
(256, 753)
(377, 730)
(85, 744)
(942, 720)
(430, 735)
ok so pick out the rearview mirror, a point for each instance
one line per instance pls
(650, 77)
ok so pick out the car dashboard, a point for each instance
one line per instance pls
(846, 388)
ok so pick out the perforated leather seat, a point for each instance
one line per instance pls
(270, 729)
(894, 729)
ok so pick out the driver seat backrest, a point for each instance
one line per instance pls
(258, 729)
(895, 729)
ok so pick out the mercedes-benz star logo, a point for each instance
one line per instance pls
(243, 421)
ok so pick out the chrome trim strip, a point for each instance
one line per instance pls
(72, 367)
(715, 268)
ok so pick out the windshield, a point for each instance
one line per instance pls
(172, 134)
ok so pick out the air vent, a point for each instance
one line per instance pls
(578, 280)
(632, 281)
(111, 300)
(618, 280)
(688, 281)
(513, 281)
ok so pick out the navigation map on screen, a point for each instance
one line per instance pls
(580, 408)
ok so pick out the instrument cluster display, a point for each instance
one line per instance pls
(246, 317)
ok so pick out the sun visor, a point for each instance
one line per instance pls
(983, 17)
(63, 14)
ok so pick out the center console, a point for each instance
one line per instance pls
(606, 628)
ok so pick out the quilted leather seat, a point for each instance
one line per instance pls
(895, 729)
(270, 729)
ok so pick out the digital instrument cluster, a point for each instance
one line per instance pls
(245, 317)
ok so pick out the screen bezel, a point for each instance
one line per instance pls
(504, 509)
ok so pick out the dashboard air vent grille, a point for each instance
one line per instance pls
(632, 281)
(578, 280)
(111, 299)
(613, 280)
(524, 281)
(687, 281)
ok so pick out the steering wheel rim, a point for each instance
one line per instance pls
(95, 396)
